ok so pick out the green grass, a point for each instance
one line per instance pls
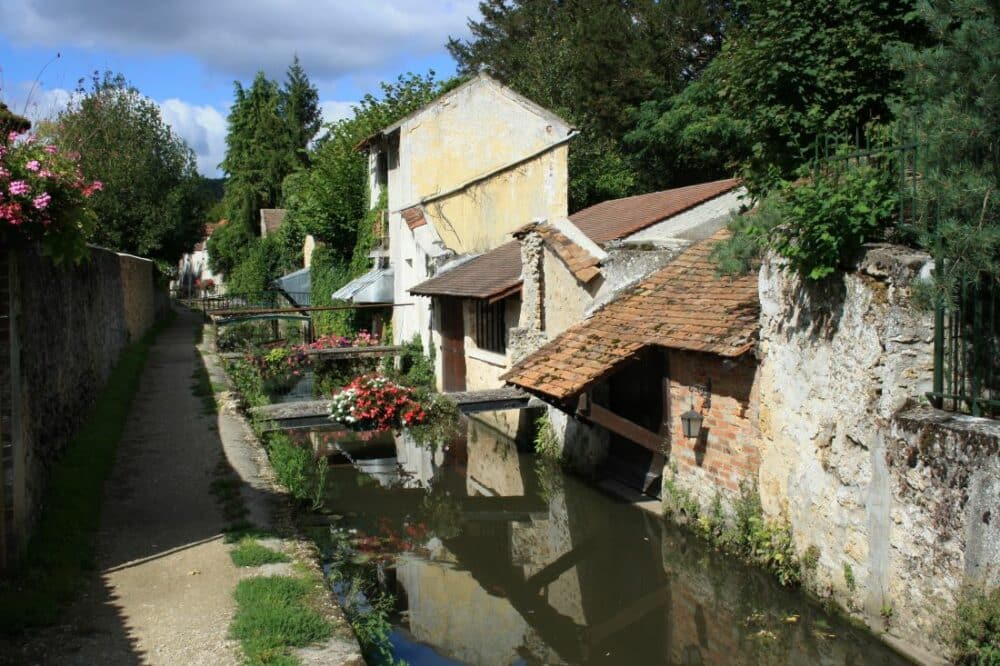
(249, 553)
(273, 614)
(60, 553)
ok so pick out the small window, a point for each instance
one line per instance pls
(491, 326)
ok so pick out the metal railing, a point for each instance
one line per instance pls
(967, 352)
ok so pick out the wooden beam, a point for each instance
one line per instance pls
(356, 352)
(310, 308)
(619, 425)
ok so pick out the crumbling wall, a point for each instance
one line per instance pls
(884, 508)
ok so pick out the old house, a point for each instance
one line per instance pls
(677, 343)
(193, 270)
(458, 176)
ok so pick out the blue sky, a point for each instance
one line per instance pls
(186, 54)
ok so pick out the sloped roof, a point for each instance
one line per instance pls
(297, 286)
(491, 276)
(582, 264)
(375, 286)
(685, 305)
(617, 218)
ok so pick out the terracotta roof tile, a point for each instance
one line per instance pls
(493, 275)
(611, 220)
(685, 305)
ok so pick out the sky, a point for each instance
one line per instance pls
(186, 54)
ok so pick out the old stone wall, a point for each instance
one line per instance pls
(67, 328)
(884, 507)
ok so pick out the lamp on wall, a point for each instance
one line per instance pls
(691, 420)
(691, 423)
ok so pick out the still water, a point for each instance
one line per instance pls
(493, 558)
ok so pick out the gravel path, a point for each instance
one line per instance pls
(163, 590)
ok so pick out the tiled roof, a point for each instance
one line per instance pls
(611, 220)
(414, 217)
(271, 219)
(580, 263)
(685, 305)
(492, 276)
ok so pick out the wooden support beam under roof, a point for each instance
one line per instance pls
(619, 425)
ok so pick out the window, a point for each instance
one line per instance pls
(491, 326)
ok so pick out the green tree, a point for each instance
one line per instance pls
(953, 104)
(299, 106)
(153, 202)
(789, 73)
(593, 62)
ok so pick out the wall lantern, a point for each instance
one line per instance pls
(691, 423)
(691, 420)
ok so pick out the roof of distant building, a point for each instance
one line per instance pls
(271, 219)
(685, 305)
(490, 276)
(618, 218)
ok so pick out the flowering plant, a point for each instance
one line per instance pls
(372, 402)
(362, 339)
(43, 197)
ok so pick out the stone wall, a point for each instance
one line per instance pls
(67, 328)
(884, 505)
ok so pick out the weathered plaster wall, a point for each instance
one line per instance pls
(484, 215)
(565, 298)
(68, 326)
(839, 361)
(468, 133)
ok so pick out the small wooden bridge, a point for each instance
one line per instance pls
(309, 413)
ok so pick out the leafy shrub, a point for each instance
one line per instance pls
(819, 222)
(296, 469)
(443, 422)
(415, 367)
(975, 630)
(546, 442)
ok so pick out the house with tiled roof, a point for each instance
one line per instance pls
(458, 177)
(679, 341)
(193, 269)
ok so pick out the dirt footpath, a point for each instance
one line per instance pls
(163, 592)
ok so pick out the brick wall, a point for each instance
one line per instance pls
(725, 453)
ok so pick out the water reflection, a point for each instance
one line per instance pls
(493, 560)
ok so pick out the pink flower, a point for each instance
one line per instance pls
(45, 173)
(51, 150)
(33, 165)
(19, 187)
(42, 202)
(11, 136)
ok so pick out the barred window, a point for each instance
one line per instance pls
(491, 326)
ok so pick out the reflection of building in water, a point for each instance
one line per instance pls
(494, 468)
(420, 464)
(450, 610)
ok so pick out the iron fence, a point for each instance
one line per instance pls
(967, 351)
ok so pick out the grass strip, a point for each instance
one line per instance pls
(250, 553)
(61, 550)
(273, 614)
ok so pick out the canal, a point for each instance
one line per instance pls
(481, 554)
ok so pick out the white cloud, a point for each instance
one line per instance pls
(204, 129)
(334, 110)
(333, 38)
(37, 103)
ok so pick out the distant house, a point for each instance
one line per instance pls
(460, 175)
(271, 220)
(678, 340)
(194, 275)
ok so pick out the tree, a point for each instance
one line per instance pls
(594, 62)
(153, 201)
(789, 73)
(952, 101)
(299, 106)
